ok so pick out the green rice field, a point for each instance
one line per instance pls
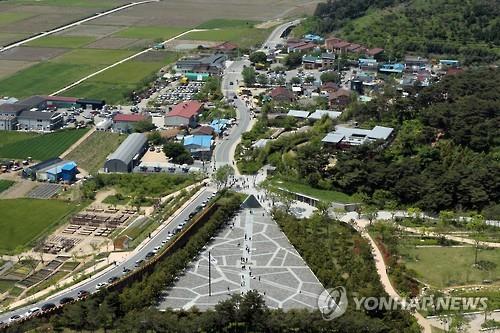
(19, 145)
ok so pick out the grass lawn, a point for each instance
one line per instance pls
(69, 42)
(24, 220)
(325, 195)
(151, 32)
(39, 147)
(226, 23)
(43, 78)
(433, 264)
(244, 37)
(91, 153)
(5, 184)
(116, 200)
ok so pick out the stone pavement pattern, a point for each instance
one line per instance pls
(251, 254)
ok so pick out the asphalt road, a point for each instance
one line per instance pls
(275, 36)
(224, 148)
(138, 254)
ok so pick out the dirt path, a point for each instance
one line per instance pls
(360, 225)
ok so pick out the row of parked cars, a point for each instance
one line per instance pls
(102, 285)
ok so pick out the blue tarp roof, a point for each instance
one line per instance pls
(219, 125)
(58, 169)
(204, 141)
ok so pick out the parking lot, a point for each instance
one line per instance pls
(179, 93)
(250, 253)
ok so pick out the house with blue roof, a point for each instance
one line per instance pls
(200, 146)
(65, 172)
(392, 68)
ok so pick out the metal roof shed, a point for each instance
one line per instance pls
(122, 160)
(298, 114)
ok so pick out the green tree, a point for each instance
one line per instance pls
(295, 80)
(262, 79)
(476, 224)
(222, 175)
(144, 126)
(178, 153)
(155, 138)
(330, 76)
(249, 76)
(293, 60)
(258, 57)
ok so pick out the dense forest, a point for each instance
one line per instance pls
(469, 30)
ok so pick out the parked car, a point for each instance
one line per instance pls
(112, 279)
(83, 293)
(48, 306)
(101, 285)
(15, 318)
(66, 300)
(32, 312)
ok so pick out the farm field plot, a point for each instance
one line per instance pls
(69, 42)
(11, 17)
(91, 154)
(244, 37)
(112, 43)
(27, 53)
(23, 220)
(39, 147)
(72, 3)
(177, 13)
(43, 78)
(6, 38)
(5, 184)
(114, 84)
(152, 32)
(94, 57)
(226, 23)
(10, 67)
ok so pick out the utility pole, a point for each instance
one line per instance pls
(209, 274)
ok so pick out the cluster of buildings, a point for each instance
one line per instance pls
(39, 113)
(54, 170)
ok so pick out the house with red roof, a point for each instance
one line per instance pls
(184, 114)
(374, 52)
(339, 99)
(124, 123)
(227, 48)
(282, 95)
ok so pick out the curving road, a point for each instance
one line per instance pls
(74, 24)
(138, 254)
(224, 150)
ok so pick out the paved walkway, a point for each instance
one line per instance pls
(250, 253)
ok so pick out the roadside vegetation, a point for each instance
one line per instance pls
(139, 186)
